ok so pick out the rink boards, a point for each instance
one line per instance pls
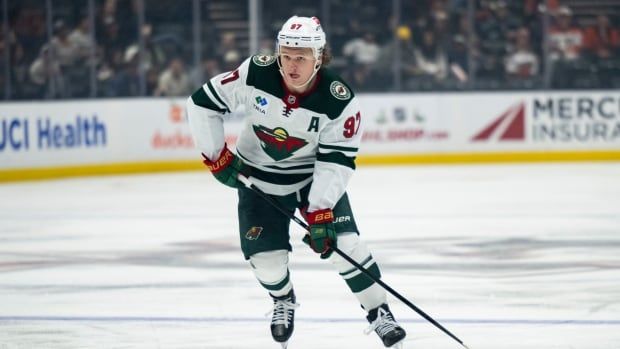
(63, 138)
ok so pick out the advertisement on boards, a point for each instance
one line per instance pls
(67, 133)
(567, 121)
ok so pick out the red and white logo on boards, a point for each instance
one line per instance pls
(510, 126)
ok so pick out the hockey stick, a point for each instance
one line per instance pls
(303, 224)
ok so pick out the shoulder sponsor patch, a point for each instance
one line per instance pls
(339, 90)
(263, 60)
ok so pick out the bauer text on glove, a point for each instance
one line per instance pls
(226, 167)
(322, 231)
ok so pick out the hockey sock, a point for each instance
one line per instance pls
(369, 293)
(271, 270)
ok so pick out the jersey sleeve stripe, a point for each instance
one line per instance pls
(336, 147)
(337, 158)
(217, 97)
(200, 98)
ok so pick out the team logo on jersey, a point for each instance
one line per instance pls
(263, 60)
(277, 143)
(254, 233)
(339, 90)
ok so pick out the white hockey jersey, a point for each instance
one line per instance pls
(288, 140)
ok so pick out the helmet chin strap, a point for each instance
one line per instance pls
(316, 69)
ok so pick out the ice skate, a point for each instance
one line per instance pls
(383, 323)
(283, 318)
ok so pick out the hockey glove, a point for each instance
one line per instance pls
(322, 235)
(226, 168)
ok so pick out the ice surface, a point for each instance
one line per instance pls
(504, 256)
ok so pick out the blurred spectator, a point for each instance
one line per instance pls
(463, 49)
(174, 81)
(370, 36)
(531, 7)
(570, 68)
(209, 68)
(21, 86)
(361, 53)
(105, 79)
(45, 73)
(81, 39)
(152, 60)
(431, 59)
(63, 50)
(153, 57)
(497, 24)
(441, 27)
(601, 39)
(112, 44)
(602, 47)
(458, 58)
(496, 27)
(400, 47)
(127, 81)
(125, 14)
(566, 39)
(522, 62)
(362, 50)
(229, 52)
(30, 31)
(66, 55)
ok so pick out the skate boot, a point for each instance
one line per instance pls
(383, 323)
(283, 318)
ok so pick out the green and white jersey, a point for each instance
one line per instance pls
(288, 140)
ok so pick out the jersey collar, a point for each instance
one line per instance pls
(292, 99)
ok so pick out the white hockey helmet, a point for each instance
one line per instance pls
(302, 32)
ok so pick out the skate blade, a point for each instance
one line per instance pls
(284, 345)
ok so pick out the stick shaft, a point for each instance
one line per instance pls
(303, 224)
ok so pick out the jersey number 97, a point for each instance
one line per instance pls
(352, 125)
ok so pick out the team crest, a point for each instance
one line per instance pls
(263, 60)
(339, 90)
(277, 143)
(254, 233)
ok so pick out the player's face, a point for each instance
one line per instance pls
(297, 66)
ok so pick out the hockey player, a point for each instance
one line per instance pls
(298, 144)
